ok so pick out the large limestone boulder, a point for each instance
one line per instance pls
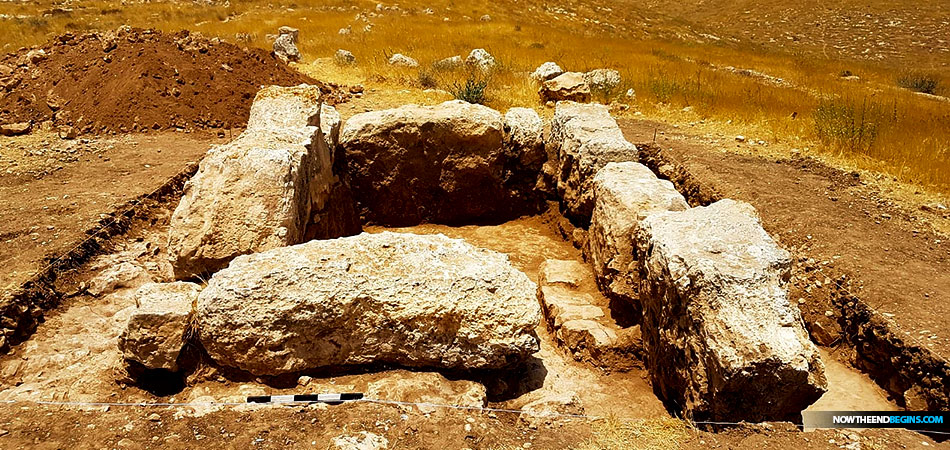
(446, 163)
(285, 46)
(388, 298)
(264, 189)
(568, 86)
(624, 194)
(586, 138)
(722, 341)
(155, 333)
(524, 146)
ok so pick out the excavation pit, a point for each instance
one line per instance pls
(65, 361)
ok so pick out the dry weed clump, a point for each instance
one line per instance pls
(663, 434)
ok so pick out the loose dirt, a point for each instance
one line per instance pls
(139, 80)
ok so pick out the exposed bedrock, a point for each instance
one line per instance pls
(451, 163)
(624, 194)
(264, 189)
(585, 139)
(405, 299)
(722, 341)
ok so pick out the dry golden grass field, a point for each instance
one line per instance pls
(823, 77)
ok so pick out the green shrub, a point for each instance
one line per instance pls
(427, 80)
(472, 91)
(663, 88)
(846, 124)
(919, 82)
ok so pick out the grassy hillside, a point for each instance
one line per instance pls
(758, 67)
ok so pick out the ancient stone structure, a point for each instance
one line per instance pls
(580, 323)
(722, 341)
(585, 138)
(155, 333)
(568, 86)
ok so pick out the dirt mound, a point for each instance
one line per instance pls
(138, 80)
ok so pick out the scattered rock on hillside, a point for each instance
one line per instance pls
(714, 295)
(285, 46)
(485, 18)
(387, 298)
(566, 86)
(15, 129)
(344, 58)
(587, 139)
(427, 387)
(546, 71)
(264, 189)
(624, 194)
(480, 59)
(400, 60)
(449, 63)
(445, 164)
(155, 333)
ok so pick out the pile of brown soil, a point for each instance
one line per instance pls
(139, 80)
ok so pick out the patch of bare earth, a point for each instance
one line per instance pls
(52, 190)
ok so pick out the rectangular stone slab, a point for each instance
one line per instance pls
(624, 194)
(722, 341)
